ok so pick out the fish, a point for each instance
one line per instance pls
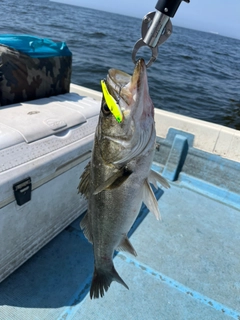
(117, 179)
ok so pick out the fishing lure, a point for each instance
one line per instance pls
(111, 103)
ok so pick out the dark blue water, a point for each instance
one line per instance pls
(197, 74)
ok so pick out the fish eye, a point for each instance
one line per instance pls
(105, 109)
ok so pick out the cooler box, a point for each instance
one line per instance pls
(32, 68)
(44, 147)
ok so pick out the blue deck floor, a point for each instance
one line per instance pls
(187, 267)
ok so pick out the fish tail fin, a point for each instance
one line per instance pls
(102, 280)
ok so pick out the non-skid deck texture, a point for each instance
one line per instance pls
(188, 267)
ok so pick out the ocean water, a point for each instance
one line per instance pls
(196, 74)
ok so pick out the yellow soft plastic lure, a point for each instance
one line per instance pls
(111, 103)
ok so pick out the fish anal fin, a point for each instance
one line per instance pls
(102, 280)
(155, 177)
(115, 181)
(150, 200)
(125, 245)
(83, 186)
(85, 226)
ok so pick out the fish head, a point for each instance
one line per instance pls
(122, 141)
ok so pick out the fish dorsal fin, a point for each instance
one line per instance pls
(83, 186)
(155, 177)
(115, 181)
(125, 245)
(150, 200)
(86, 228)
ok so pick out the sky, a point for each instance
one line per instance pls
(222, 16)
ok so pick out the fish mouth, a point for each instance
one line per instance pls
(125, 88)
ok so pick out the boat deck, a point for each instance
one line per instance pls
(187, 267)
(188, 264)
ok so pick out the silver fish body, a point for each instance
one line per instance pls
(116, 181)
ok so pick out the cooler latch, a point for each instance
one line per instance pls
(22, 191)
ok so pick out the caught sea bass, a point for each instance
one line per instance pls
(117, 178)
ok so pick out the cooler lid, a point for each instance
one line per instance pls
(35, 120)
(34, 46)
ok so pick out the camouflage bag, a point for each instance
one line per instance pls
(32, 68)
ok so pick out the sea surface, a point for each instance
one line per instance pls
(196, 74)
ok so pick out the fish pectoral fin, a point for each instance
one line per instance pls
(115, 181)
(83, 186)
(102, 280)
(150, 200)
(155, 177)
(125, 245)
(84, 225)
